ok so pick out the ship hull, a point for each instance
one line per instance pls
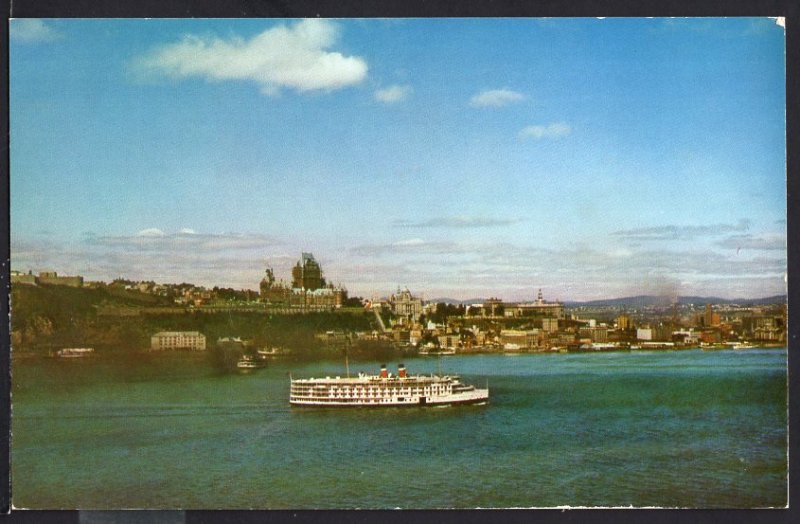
(392, 404)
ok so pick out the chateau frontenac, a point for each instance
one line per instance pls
(308, 289)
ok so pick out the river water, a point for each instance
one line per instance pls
(662, 428)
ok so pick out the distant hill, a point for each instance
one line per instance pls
(455, 301)
(652, 300)
(775, 299)
(640, 301)
(637, 301)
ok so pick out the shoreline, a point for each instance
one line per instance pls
(110, 354)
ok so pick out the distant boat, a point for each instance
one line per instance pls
(743, 345)
(435, 353)
(247, 364)
(270, 352)
(74, 352)
(715, 346)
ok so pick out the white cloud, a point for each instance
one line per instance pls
(220, 259)
(433, 268)
(495, 98)
(414, 245)
(410, 242)
(458, 222)
(31, 30)
(154, 239)
(393, 94)
(731, 263)
(151, 232)
(675, 232)
(768, 241)
(554, 130)
(293, 57)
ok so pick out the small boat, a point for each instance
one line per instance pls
(715, 346)
(270, 352)
(74, 352)
(247, 364)
(743, 345)
(425, 352)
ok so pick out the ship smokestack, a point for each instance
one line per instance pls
(384, 372)
(401, 371)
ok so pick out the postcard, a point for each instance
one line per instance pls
(398, 263)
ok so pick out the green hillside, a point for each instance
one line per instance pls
(44, 318)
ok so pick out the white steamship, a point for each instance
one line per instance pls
(385, 390)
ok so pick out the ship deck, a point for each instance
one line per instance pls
(405, 381)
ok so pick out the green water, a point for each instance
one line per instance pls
(667, 429)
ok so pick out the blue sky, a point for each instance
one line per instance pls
(458, 157)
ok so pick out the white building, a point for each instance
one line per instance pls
(514, 339)
(688, 336)
(193, 340)
(644, 334)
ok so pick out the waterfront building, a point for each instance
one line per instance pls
(597, 334)
(402, 336)
(517, 339)
(449, 341)
(192, 340)
(769, 329)
(550, 325)
(644, 334)
(686, 337)
(662, 332)
(565, 339)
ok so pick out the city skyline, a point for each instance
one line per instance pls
(456, 157)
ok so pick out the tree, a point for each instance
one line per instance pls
(354, 302)
(225, 355)
(428, 338)
(446, 310)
